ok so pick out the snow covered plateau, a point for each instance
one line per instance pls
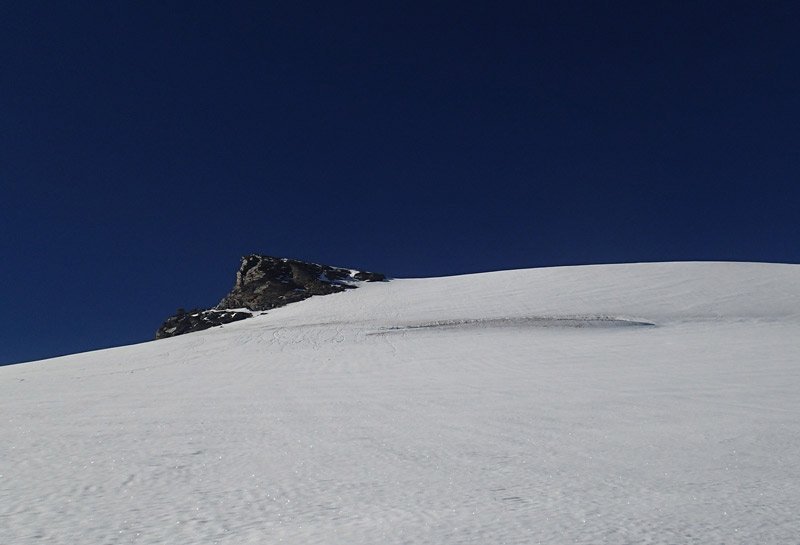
(625, 404)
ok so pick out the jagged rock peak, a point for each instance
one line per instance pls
(263, 283)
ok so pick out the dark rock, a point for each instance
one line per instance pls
(204, 319)
(264, 283)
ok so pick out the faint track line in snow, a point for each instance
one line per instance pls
(524, 321)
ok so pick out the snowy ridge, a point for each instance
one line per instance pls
(486, 408)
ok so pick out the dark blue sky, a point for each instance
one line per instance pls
(146, 147)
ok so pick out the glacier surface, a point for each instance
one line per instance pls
(641, 403)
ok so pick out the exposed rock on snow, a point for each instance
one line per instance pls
(263, 283)
(183, 322)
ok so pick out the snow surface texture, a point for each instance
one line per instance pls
(511, 407)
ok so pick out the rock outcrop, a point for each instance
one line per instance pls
(198, 320)
(264, 283)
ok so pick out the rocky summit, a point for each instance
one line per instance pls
(263, 283)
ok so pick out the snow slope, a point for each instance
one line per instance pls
(511, 407)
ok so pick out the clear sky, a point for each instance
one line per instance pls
(147, 146)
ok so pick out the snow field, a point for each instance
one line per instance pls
(451, 410)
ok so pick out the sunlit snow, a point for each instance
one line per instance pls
(652, 403)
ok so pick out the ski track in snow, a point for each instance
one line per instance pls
(474, 409)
